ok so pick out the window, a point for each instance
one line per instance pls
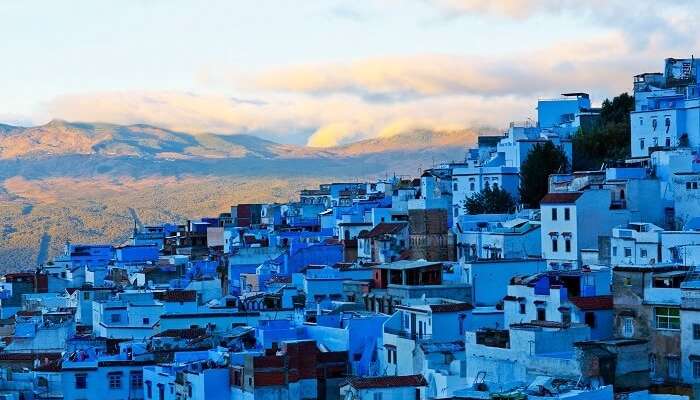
(674, 367)
(667, 318)
(554, 214)
(391, 354)
(641, 121)
(628, 252)
(136, 379)
(696, 369)
(522, 308)
(654, 123)
(555, 245)
(643, 253)
(696, 331)
(471, 186)
(614, 251)
(566, 317)
(149, 389)
(627, 281)
(116, 318)
(589, 319)
(667, 123)
(454, 187)
(237, 377)
(567, 245)
(115, 380)
(146, 321)
(652, 364)
(86, 295)
(567, 214)
(641, 144)
(668, 142)
(81, 381)
(541, 314)
(628, 327)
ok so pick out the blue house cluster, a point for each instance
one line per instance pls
(390, 289)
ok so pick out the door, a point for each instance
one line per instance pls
(413, 325)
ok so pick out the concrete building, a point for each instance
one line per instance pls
(386, 242)
(517, 238)
(567, 297)
(667, 108)
(385, 388)
(647, 301)
(566, 229)
(428, 321)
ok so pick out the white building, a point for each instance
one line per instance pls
(573, 221)
(667, 108)
(429, 321)
(505, 359)
(635, 243)
(517, 238)
(468, 180)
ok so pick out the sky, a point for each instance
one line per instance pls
(323, 72)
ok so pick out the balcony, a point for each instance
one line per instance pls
(670, 296)
(408, 335)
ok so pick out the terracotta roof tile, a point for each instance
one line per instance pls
(384, 228)
(591, 303)
(176, 295)
(561, 198)
(451, 307)
(387, 381)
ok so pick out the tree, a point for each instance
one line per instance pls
(608, 139)
(489, 201)
(543, 160)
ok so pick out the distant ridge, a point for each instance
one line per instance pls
(60, 137)
(83, 150)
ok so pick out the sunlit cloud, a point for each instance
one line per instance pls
(319, 122)
(329, 103)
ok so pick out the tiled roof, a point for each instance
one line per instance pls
(387, 381)
(561, 198)
(176, 295)
(593, 302)
(450, 307)
(187, 333)
(384, 228)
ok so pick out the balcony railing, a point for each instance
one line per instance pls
(408, 335)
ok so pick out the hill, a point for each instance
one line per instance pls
(89, 182)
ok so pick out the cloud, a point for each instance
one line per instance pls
(639, 21)
(590, 65)
(325, 104)
(331, 134)
(317, 121)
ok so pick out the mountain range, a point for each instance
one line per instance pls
(91, 182)
(62, 148)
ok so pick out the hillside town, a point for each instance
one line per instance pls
(397, 288)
